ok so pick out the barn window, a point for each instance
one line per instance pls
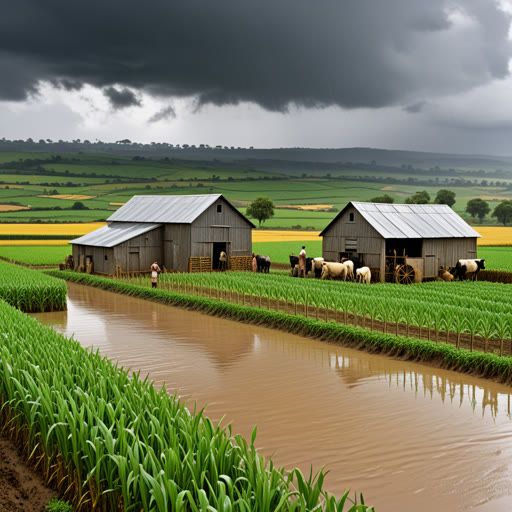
(219, 208)
(350, 245)
(351, 217)
(106, 257)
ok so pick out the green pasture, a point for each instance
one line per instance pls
(279, 252)
(212, 177)
(496, 258)
(35, 254)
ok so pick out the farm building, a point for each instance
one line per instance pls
(181, 233)
(424, 237)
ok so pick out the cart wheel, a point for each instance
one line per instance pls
(404, 274)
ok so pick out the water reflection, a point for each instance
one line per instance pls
(409, 436)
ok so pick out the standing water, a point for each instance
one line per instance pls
(409, 437)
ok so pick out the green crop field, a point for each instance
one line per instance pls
(496, 258)
(114, 179)
(35, 254)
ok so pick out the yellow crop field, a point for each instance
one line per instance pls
(34, 242)
(117, 204)
(492, 235)
(306, 207)
(12, 208)
(68, 196)
(50, 229)
(284, 236)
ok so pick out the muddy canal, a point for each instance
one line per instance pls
(409, 437)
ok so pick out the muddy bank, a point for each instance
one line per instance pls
(21, 488)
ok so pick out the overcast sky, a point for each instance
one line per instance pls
(430, 75)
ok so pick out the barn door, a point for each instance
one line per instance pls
(133, 262)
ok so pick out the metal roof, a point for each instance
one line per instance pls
(412, 220)
(164, 209)
(113, 234)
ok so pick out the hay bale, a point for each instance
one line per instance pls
(295, 271)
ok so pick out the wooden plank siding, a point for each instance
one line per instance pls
(359, 236)
(139, 252)
(173, 244)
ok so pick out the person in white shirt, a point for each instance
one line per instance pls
(155, 270)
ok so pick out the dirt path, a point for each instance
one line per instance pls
(21, 488)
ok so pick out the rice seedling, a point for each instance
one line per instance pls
(29, 290)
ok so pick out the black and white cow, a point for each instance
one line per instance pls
(471, 267)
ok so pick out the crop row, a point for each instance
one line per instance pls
(29, 290)
(476, 309)
(109, 440)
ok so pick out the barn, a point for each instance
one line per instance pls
(384, 236)
(182, 233)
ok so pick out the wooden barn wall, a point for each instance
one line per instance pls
(449, 250)
(369, 241)
(227, 226)
(139, 252)
(176, 250)
(100, 264)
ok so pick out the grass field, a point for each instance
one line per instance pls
(112, 179)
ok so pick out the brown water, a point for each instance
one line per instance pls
(408, 436)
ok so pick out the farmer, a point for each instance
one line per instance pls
(302, 262)
(254, 263)
(223, 258)
(155, 270)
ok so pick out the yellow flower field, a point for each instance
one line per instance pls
(33, 242)
(494, 235)
(81, 228)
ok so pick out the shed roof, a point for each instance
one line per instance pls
(114, 233)
(412, 220)
(167, 209)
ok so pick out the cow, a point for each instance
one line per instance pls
(334, 270)
(317, 267)
(263, 263)
(471, 267)
(363, 275)
(294, 260)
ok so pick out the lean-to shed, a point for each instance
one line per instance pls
(382, 235)
(167, 229)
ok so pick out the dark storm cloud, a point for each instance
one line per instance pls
(122, 98)
(353, 53)
(163, 114)
(415, 107)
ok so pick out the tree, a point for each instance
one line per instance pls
(503, 212)
(78, 205)
(422, 197)
(478, 208)
(445, 197)
(262, 208)
(386, 198)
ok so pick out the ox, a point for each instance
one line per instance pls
(471, 267)
(294, 260)
(263, 263)
(363, 275)
(317, 267)
(334, 270)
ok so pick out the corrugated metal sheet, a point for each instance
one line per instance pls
(113, 234)
(164, 209)
(411, 220)
(415, 220)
